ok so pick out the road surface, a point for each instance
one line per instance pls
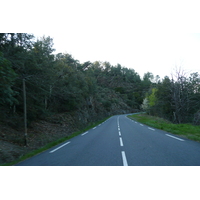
(120, 141)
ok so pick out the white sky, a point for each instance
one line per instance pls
(152, 36)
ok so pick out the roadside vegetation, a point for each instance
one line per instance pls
(185, 130)
(54, 143)
(175, 99)
(36, 83)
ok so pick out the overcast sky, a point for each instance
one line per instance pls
(157, 53)
(152, 36)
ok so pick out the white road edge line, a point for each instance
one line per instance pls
(94, 127)
(119, 133)
(151, 129)
(125, 163)
(174, 137)
(84, 133)
(59, 147)
(141, 125)
(121, 142)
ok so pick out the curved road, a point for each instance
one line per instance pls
(120, 141)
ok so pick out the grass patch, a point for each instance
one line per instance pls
(54, 143)
(185, 130)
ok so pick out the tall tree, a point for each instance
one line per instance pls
(7, 79)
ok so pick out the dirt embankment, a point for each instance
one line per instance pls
(42, 132)
(39, 134)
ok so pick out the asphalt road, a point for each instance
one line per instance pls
(120, 141)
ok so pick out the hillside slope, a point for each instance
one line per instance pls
(53, 127)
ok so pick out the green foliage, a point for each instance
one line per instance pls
(186, 130)
(152, 97)
(177, 101)
(107, 104)
(120, 90)
(59, 83)
(7, 78)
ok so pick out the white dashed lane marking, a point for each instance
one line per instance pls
(151, 129)
(175, 137)
(84, 133)
(121, 142)
(59, 147)
(119, 133)
(125, 163)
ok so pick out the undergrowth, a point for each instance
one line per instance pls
(37, 151)
(185, 130)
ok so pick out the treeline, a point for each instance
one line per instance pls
(176, 99)
(56, 83)
(60, 83)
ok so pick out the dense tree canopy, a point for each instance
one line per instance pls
(59, 83)
(177, 100)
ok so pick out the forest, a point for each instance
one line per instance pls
(32, 75)
(59, 83)
(176, 99)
